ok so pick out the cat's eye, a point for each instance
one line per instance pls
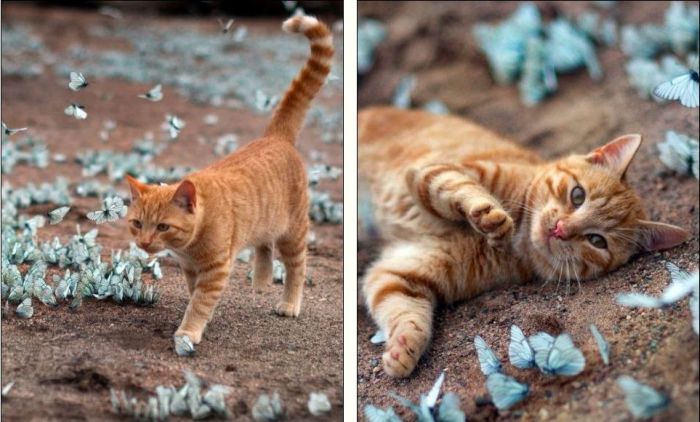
(136, 223)
(162, 227)
(597, 240)
(578, 195)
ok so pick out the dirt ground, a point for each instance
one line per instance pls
(433, 41)
(64, 362)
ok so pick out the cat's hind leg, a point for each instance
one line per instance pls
(401, 290)
(262, 274)
(292, 251)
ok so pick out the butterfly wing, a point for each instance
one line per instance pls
(79, 112)
(70, 110)
(488, 361)
(637, 300)
(642, 400)
(156, 93)
(564, 358)
(378, 338)
(97, 216)
(603, 346)
(374, 414)
(675, 88)
(57, 215)
(431, 399)
(77, 81)
(505, 391)
(519, 351)
(691, 96)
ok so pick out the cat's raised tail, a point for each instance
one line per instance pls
(290, 112)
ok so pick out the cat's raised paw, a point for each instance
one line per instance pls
(286, 309)
(184, 346)
(493, 221)
(403, 350)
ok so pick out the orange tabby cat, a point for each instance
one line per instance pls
(256, 196)
(464, 210)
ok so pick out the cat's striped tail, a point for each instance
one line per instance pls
(291, 111)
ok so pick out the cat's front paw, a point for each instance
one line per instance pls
(183, 346)
(493, 222)
(403, 351)
(287, 309)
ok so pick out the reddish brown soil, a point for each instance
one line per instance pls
(63, 362)
(433, 42)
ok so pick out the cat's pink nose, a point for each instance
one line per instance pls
(144, 244)
(558, 231)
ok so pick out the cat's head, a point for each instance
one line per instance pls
(162, 216)
(586, 220)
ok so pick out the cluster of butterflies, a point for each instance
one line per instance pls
(319, 172)
(672, 80)
(226, 144)
(191, 400)
(370, 33)
(523, 49)
(323, 209)
(680, 153)
(683, 284)
(402, 97)
(30, 151)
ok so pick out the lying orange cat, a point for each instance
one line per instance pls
(464, 210)
(256, 196)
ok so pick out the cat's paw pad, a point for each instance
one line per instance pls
(184, 346)
(403, 350)
(492, 221)
(286, 309)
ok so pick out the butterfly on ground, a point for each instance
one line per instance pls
(603, 345)
(378, 338)
(488, 361)
(225, 27)
(682, 284)
(264, 103)
(77, 111)
(425, 409)
(505, 391)
(154, 94)
(175, 125)
(684, 88)
(642, 400)
(77, 81)
(56, 216)
(113, 208)
(9, 132)
(561, 358)
(519, 350)
(375, 414)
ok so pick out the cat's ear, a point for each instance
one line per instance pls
(185, 196)
(659, 236)
(616, 154)
(137, 188)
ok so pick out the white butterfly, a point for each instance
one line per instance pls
(264, 103)
(225, 27)
(541, 342)
(77, 81)
(682, 284)
(487, 357)
(175, 125)
(684, 88)
(154, 94)
(113, 208)
(56, 216)
(519, 350)
(375, 414)
(9, 132)
(505, 391)
(642, 400)
(77, 111)
(25, 309)
(289, 5)
(603, 345)
(563, 358)
(378, 338)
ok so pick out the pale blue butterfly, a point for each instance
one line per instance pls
(684, 88)
(56, 216)
(519, 350)
(642, 400)
(487, 357)
(562, 358)
(505, 391)
(603, 345)
(374, 414)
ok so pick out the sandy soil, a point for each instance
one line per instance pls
(433, 42)
(64, 363)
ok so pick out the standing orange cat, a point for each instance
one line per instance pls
(463, 210)
(256, 196)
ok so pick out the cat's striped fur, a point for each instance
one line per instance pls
(257, 196)
(463, 210)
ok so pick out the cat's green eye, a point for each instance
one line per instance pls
(578, 195)
(597, 240)
(136, 223)
(162, 227)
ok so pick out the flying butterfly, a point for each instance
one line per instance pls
(505, 391)
(603, 345)
(519, 350)
(562, 358)
(77, 81)
(225, 27)
(77, 111)
(154, 94)
(175, 125)
(684, 88)
(113, 208)
(642, 400)
(488, 361)
(56, 216)
(424, 409)
(9, 132)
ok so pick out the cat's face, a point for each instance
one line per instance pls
(586, 220)
(162, 217)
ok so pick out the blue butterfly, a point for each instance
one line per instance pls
(642, 400)
(684, 88)
(505, 391)
(374, 414)
(603, 346)
(562, 358)
(487, 357)
(519, 350)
